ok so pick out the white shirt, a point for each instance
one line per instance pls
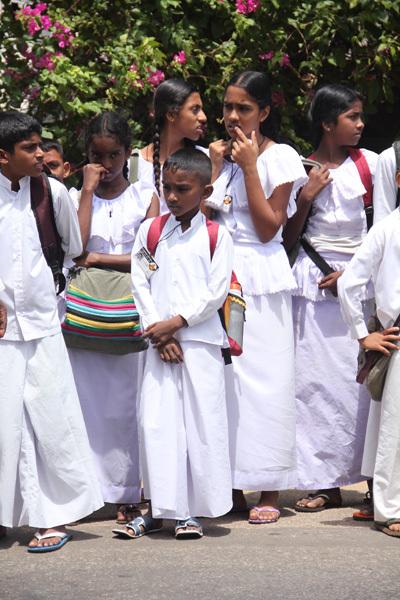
(378, 258)
(385, 188)
(188, 282)
(29, 291)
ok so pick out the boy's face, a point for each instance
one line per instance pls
(183, 191)
(55, 164)
(25, 160)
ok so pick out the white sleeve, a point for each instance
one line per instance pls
(205, 306)
(66, 218)
(140, 284)
(385, 188)
(357, 274)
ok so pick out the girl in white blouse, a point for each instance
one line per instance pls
(179, 121)
(110, 212)
(255, 178)
(332, 409)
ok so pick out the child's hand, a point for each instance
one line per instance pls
(160, 333)
(218, 150)
(245, 151)
(92, 174)
(382, 341)
(319, 178)
(330, 282)
(87, 259)
(3, 319)
(171, 351)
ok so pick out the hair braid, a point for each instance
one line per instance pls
(156, 157)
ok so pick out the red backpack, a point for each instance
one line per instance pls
(232, 312)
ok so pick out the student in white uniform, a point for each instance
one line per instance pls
(179, 122)
(255, 179)
(332, 409)
(47, 476)
(110, 212)
(183, 422)
(385, 187)
(378, 259)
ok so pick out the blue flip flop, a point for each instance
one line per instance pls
(64, 538)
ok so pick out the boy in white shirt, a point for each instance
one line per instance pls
(179, 287)
(378, 258)
(46, 473)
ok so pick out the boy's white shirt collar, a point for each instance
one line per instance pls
(7, 183)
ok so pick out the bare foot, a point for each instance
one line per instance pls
(126, 513)
(394, 527)
(48, 541)
(319, 501)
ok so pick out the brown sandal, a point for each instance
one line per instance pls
(324, 494)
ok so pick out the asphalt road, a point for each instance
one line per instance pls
(323, 556)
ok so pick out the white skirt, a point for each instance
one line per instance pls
(184, 434)
(107, 388)
(260, 398)
(332, 408)
(47, 475)
(387, 465)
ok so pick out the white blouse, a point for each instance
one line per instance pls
(335, 228)
(146, 176)
(115, 222)
(262, 268)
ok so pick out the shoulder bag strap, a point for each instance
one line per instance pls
(154, 232)
(365, 175)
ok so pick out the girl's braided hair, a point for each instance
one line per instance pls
(169, 97)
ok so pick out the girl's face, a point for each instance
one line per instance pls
(106, 150)
(191, 119)
(348, 127)
(241, 110)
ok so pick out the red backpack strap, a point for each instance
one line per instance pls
(364, 171)
(154, 232)
(43, 209)
(212, 228)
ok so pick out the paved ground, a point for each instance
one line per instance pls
(325, 555)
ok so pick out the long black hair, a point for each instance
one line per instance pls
(110, 124)
(329, 102)
(169, 97)
(257, 85)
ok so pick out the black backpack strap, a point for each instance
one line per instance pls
(317, 259)
(396, 148)
(43, 209)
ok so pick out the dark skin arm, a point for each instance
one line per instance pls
(171, 351)
(3, 319)
(159, 333)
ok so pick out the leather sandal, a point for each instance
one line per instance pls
(324, 494)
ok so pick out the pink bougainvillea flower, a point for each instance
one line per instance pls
(267, 55)
(33, 27)
(245, 7)
(133, 68)
(155, 77)
(180, 57)
(285, 60)
(45, 62)
(278, 98)
(46, 22)
(41, 7)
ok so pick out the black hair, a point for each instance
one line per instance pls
(191, 160)
(258, 87)
(169, 97)
(16, 127)
(48, 145)
(329, 102)
(110, 124)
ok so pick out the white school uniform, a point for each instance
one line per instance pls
(107, 384)
(332, 409)
(47, 476)
(385, 187)
(378, 258)
(260, 383)
(183, 423)
(146, 176)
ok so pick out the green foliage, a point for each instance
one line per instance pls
(119, 50)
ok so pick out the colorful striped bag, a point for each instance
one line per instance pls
(100, 312)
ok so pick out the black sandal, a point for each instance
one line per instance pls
(324, 494)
